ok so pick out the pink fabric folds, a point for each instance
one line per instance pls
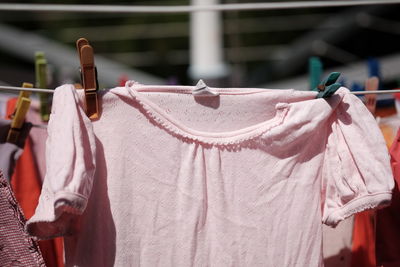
(242, 179)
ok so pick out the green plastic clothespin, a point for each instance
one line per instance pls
(328, 86)
(315, 71)
(41, 82)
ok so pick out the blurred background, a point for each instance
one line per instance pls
(258, 48)
(268, 49)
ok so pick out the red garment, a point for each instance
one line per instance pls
(395, 158)
(388, 219)
(26, 184)
(122, 80)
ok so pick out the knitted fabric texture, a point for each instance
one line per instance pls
(17, 248)
(245, 178)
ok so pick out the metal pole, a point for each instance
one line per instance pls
(206, 43)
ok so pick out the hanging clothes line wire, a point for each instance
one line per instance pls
(375, 92)
(40, 90)
(185, 9)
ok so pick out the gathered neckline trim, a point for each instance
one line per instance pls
(175, 126)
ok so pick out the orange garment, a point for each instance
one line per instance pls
(388, 219)
(388, 133)
(363, 249)
(26, 185)
(363, 252)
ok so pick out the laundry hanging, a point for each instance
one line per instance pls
(26, 182)
(387, 219)
(9, 152)
(164, 178)
(331, 1)
(17, 247)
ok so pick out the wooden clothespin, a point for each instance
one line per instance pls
(88, 77)
(21, 108)
(371, 84)
(41, 82)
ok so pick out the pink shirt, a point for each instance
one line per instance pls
(243, 179)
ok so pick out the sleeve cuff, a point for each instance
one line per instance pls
(60, 220)
(358, 205)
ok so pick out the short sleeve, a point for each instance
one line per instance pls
(70, 160)
(356, 173)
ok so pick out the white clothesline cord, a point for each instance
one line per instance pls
(375, 92)
(40, 90)
(185, 9)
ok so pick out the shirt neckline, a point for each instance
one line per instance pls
(175, 126)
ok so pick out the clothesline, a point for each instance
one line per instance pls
(50, 91)
(185, 9)
(38, 90)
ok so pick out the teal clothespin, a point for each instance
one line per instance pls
(328, 86)
(41, 82)
(315, 71)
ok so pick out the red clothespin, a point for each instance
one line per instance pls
(371, 84)
(88, 77)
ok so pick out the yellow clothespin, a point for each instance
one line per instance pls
(41, 82)
(21, 108)
(89, 78)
